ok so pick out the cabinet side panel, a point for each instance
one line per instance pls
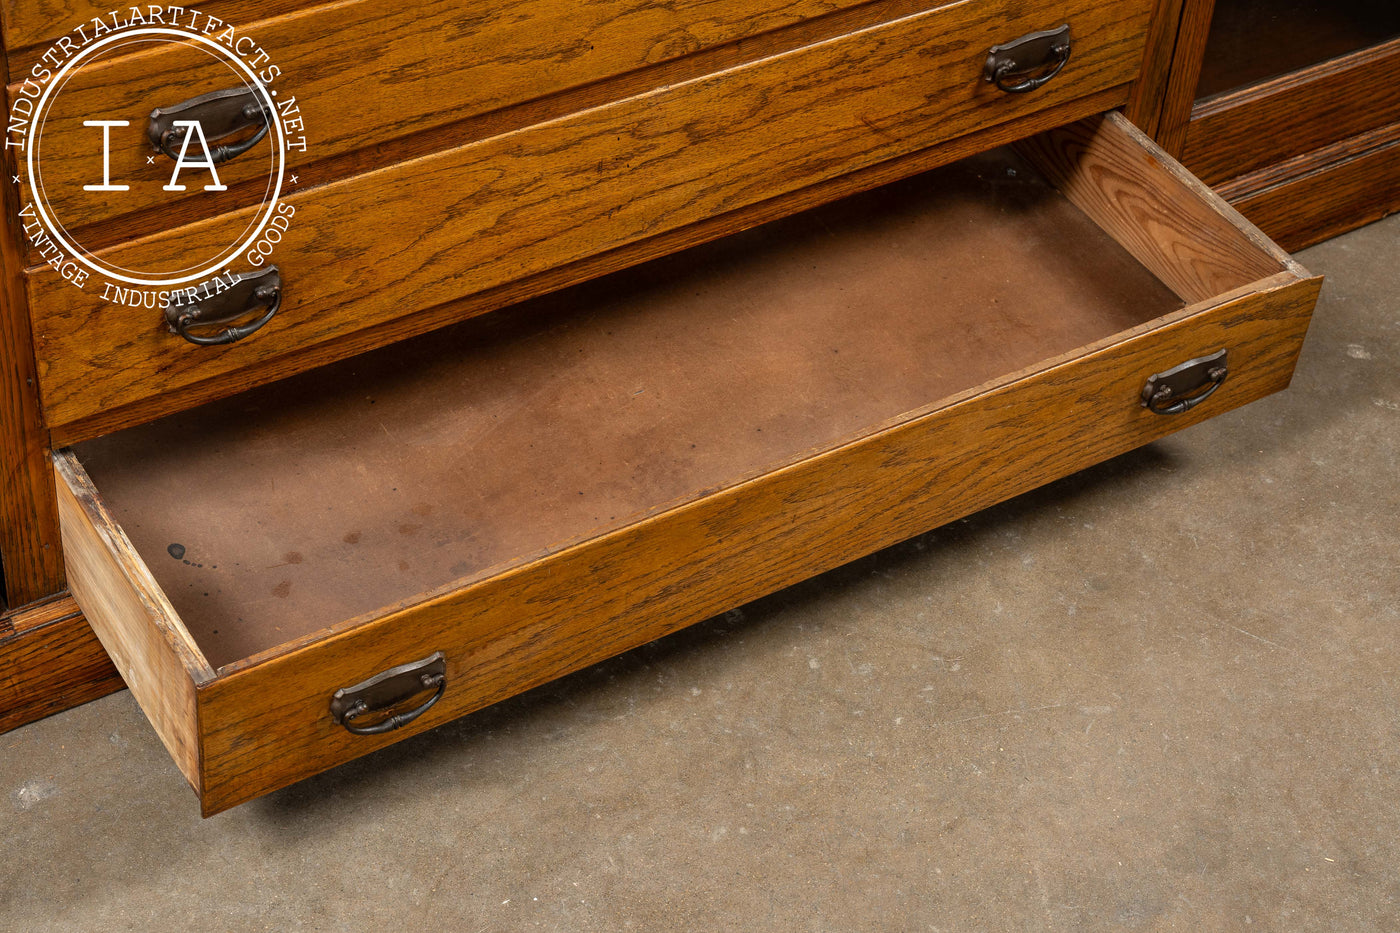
(49, 662)
(29, 545)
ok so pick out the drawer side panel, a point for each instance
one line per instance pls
(130, 615)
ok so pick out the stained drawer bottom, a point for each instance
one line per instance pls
(536, 490)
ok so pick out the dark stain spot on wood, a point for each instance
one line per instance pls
(423, 509)
(292, 557)
(351, 537)
(176, 551)
(408, 528)
(403, 565)
(283, 589)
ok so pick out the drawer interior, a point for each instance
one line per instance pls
(283, 512)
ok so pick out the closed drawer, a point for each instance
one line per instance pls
(532, 492)
(368, 73)
(365, 259)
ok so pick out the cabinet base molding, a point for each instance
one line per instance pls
(1323, 194)
(50, 661)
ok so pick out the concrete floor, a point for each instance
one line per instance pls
(1161, 694)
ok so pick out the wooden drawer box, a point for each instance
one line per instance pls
(375, 252)
(547, 487)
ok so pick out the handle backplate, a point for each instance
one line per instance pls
(350, 706)
(1029, 62)
(220, 114)
(1182, 388)
(230, 297)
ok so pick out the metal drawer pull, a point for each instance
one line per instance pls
(219, 113)
(241, 293)
(389, 689)
(1179, 389)
(1044, 53)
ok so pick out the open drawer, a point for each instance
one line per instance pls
(493, 506)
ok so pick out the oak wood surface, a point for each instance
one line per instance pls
(1170, 222)
(366, 72)
(30, 550)
(1324, 193)
(495, 211)
(1242, 132)
(1149, 91)
(30, 26)
(1294, 152)
(132, 618)
(50, 661)
(1175, 115)
(321, 170)
(146, 409)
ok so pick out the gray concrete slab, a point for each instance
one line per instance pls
(1159, 695)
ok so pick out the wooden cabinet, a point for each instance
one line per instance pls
(815, 279)
(1290, 109)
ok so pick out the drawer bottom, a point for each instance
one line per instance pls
(539, 489)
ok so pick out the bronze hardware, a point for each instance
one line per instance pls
(387, 690)
(1030, 61)
(220, 114)
(241, 293)
(1179, 389)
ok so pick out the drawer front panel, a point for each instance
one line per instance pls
(365, 73)
(35, 22)
(378, 247)
(267, 726)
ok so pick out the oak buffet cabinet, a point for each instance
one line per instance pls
(591, 321)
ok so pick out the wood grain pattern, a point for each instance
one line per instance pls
(1244, 131)
(29, 544)
(1324, 193)
(323, 170)
(266, 726)
(264, 371)
(132, 618)
(50, 661)
(525, 202)
(1175, 226)
(366, 72)
(26, 24)
(1190, 49)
